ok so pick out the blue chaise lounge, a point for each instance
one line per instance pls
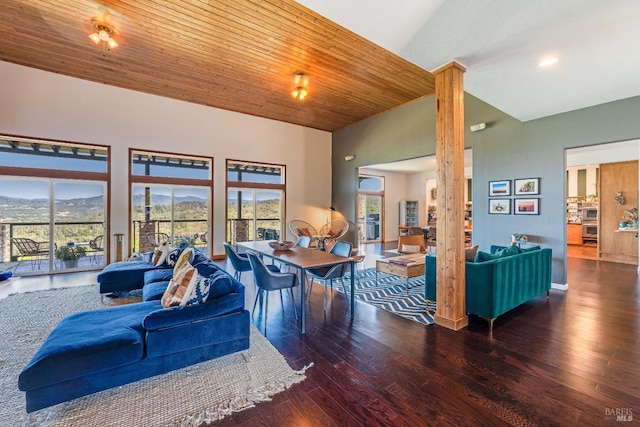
(99, 349)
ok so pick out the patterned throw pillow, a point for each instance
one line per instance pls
(172, 256)
(200, 291)
(186, 255)
(160, 254)
(180, 285)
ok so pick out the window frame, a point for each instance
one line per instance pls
(171, 181)
(256, 186)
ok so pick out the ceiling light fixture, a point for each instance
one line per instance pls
(104, 33)
(301, 83)
(548, 61)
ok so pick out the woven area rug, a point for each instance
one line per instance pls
(390, 293)
(200, 393)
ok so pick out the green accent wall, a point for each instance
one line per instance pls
(506, 149)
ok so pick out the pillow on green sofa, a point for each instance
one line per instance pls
(528, 249)
(508, 251)
(486, 256)
(470, 253)
(482, 256)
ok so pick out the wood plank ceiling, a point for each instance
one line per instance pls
(238, 55)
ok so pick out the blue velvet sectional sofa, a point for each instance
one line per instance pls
(99, 349)
(499, 281)
(125, 276)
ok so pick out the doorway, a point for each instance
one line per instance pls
(370, 208)
(593, 215)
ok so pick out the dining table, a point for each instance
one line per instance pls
(301, 259)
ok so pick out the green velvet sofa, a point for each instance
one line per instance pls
(498, 285)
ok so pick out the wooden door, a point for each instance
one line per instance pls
(614, 245)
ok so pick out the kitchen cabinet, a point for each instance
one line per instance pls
(574, 234)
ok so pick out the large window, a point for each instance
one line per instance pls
(52, 205)
(370, 208)
(171, 199)
(255, 201)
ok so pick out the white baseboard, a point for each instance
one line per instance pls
(559, 286)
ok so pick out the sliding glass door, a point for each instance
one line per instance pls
(78, 224)
(254, 214)
(370, 218)
(255, 201)
(39, 236)
(370, 208)
(169, 213)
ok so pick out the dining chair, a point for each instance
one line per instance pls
(267, 280)
(416, 231)
(239, 261)
(411, 244)
(302, 228)
(304, 241)
(333, 272)
(331, 232)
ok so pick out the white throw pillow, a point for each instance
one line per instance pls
(160, 254)
(410, 249)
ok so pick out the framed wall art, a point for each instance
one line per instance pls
(500, 188)
(526, 206)
(500, 206)
(526, 186)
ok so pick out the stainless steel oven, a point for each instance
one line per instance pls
(589, 214)
(589, 231)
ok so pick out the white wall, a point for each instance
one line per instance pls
(40, 104)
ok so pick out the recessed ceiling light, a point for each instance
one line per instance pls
(548, 61)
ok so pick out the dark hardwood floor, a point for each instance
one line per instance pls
(567, 361)
(572, 360)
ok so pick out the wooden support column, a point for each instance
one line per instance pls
(450, 281)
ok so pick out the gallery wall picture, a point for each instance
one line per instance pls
(526, 186)
(500, 206)
(526, 206)
(500, 188)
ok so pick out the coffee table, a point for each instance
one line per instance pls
(407, 266)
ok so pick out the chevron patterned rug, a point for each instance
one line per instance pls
(390, 293)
